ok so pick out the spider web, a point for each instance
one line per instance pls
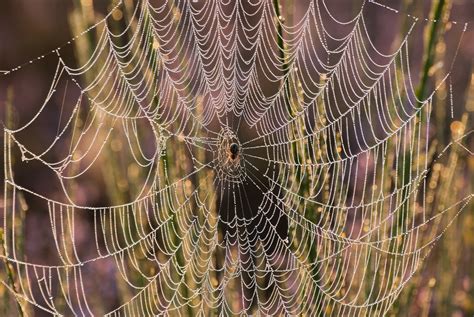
(325, 207)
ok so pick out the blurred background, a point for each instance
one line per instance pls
(31, 28)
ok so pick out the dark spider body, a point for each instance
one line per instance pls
(234, 151)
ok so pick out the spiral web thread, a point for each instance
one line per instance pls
(325, 209)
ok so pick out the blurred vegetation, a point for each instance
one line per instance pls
(444, 285)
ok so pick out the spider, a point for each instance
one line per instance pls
(233, 151)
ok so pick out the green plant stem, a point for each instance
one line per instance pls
(8, 268)
(429, 56)
(300, 177)
(430, 49)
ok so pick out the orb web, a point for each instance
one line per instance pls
(273, 167)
